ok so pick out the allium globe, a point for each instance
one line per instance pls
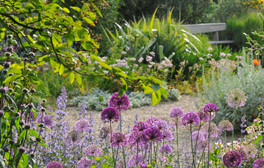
(225, 125)
(150, 121)
(135, 138)
(236, 98)
(190, 118)
(232, 159)
(161, 125)
(82, 125)
(205, 116)
(54, 164)
(176, 112)
(142, 165)
(110, 114)
(48, 120)
(118, 139)
(140, 126)
(134, 160)
(167, 135)
(93, 151)
(152, 134)
(121, 103)
(166, 148)
(259, 163)
(210, 108)
(84, 163)
(202, 135)
(213, 129)
(73, 137)
(243, 154)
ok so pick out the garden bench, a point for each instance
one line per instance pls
(209, 28)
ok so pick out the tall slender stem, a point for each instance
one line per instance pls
(193, 163)
(137, 154)
(209, 131)
(177, 139)
(225, 139)
(233, 131)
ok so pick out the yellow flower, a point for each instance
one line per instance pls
(244, 3)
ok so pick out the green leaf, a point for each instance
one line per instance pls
(25, 159)
(76, 8)
(12, 78)
(164, 92)
(61, 69)
(87, 45)
(71, 76)
(258, 139)
(56, 39)
(105, 165)
(2, 35)
(148, 90)
(155, 86)
(78, 79)
(89, 21)
(97, 10)
(53, 63)
(66, 10)
(156, 97)
(43, 144)
(69, 38)
(98, 159)
(21, 135)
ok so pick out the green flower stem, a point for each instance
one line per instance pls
(225, 139)
(137, 155)
(124, 155)
(177, 139)
(233, 128)
(209, 131)
(113, 157)
(192, 145)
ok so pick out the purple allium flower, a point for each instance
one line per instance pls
(120, 164)
(251, 150)
(104, 131)
(110, 114)
(3, 89)
(93, 150)
(47, 120)
(54, 164)
(243, 154)
(176, 112)
(142, 165)
(167, 135)
(190, 118)
(152, 134)
(31, 114)
(121, 103)
(84, 163)
(166, 148)
(202, 135)
(259, 163)
(210, 108)
(82, 125)
(150, 121)
(225, 125)
(205, 116)
(73, 136)
(118, 139)
(161, 125)
(202, 146)
(140, 126)
(213, 129)
(236, 98)
(135, 138)
(232, 159)
(134, 160)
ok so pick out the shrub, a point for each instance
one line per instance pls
(247, 23)
(231, 75)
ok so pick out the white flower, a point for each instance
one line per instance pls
(127, 48)
(132, 59)
(210, 49)
(106, 72)
(222, 54)
(209, 55)
(149, 66)
(152, 53)
(140, 59)
(124, 53)
(78, 68)
(228, 54)
(166, 70)
(149, 58)
(135, 65)
(201, 58)
(152, 63)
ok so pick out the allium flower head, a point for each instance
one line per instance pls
(135, 138)
(251, 150)
(73, 136)
(243, 154)
(213, 129)
(93, 150)
(232, 159)
(110, 114)
(259, 163)
(202, 135)
(121, 103)
(47, 120)
(150, 121)
(176, 112)
(54, 164)
(210, 108)
(236, 98)
(161, 125)
(190, 118)
(205, 116)
(142, 165)
(118, 139)
(140, 126)
(153, 134)
(82, 125)
(166, 148)
(104, 131)
(84, 163)
(134, 160)
(225, 125)
(203, 146)
(167, 135)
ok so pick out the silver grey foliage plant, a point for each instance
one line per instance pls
(246, 77)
